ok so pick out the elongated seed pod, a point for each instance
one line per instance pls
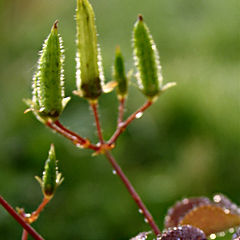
(89, 73)
(119, 74)
(48, 89)
(49, 179)
(146, 60)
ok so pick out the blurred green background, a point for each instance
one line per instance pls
(186, 144)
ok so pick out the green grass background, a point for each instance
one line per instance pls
(186, 144)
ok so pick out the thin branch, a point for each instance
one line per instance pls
(44, 202)
(75, 138)
(20, 219)
(94, 106)
(124, 124)
(24, 235)
(134, 194)
(121, 110)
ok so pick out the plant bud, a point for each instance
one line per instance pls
(89, 71)
(146, 60)
(119, 74)
(51, 179)
(48, 86)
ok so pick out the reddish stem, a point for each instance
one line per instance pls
(24, 235)
(94, 106)
(119, 171)
(36, 213)
(20, 219)
(75, 138)
(124, 124)
(133, 193)
(121, 110)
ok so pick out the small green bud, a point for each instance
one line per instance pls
(119, 74)
(48, 86)
(146, 60)
(89, 69)
(51, 179)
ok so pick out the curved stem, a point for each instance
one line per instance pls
(134, 194)
(24, 235)
(124, 124)
(75, 138)
(36, 213)
(94, 106)
(20, 219)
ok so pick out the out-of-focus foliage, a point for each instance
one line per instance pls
(186, 144)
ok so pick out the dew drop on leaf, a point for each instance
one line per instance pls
(212, 236)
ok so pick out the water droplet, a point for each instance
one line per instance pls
(217, 198)
(140, 211)
(114, 172)
(79, 145)
(212, 236)
(139, 114)
(145, 220)
(227, 211)
(221, 234)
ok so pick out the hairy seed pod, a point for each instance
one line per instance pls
(51, 179)
(146, 60)
(119, 74)
(89, 70)
(48, 89)
(50, 173)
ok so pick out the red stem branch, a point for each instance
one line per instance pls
(24, 235)
(35, 214)
(94, 106)
(133, 193)
(119, 171)
(124, 124)
(20, 219)
(75, 138)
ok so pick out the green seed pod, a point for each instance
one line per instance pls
(89, 70)
(48, 86)
(50, 76)
(119, 74)
(51, 179)
(146, 60)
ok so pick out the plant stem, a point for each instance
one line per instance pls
(75, 138)
(36, 213)
(94, 106)
(124, 124)
(119, 171)
(121, 110)
(20, 219)
(133, 193)
(24, 235)
(34, 216)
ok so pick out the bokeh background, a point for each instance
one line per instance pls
(186, 144)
